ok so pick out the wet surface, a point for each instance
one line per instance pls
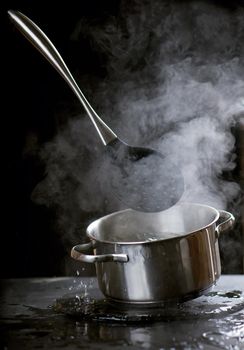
(72, 314)
(87, 307)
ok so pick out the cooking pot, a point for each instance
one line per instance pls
(147, 258)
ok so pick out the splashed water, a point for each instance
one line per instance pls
(231, 294)
(226, 339)
(92, 306)
(187, 326)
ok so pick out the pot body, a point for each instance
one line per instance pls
(162, 269)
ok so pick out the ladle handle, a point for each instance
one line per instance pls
(41, 42)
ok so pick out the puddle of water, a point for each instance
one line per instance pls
(229, 333)
(86, 306)
(224, 340)
(217, 314)
(230, 294)
(118, 329)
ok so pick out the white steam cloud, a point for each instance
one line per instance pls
(175, 83)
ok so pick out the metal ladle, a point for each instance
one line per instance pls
(142, 178)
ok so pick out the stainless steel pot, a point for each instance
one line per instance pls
(156, 257)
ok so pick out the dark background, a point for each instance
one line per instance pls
(33, 98)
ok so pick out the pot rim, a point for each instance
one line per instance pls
(89, 234)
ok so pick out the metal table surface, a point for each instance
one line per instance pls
(29, 319)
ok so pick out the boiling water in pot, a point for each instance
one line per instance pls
(144, 235)
(134, 226)
(150, 236)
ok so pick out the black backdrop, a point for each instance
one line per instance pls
(31, 92)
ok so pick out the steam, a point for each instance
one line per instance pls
(175, 83)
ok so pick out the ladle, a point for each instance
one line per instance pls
(142, 178)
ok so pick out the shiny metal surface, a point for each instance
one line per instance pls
(134, 172)
(165, 268)
(77, 253)
(227, 223)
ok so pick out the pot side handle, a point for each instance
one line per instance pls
(77, 253)
(227, 222)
